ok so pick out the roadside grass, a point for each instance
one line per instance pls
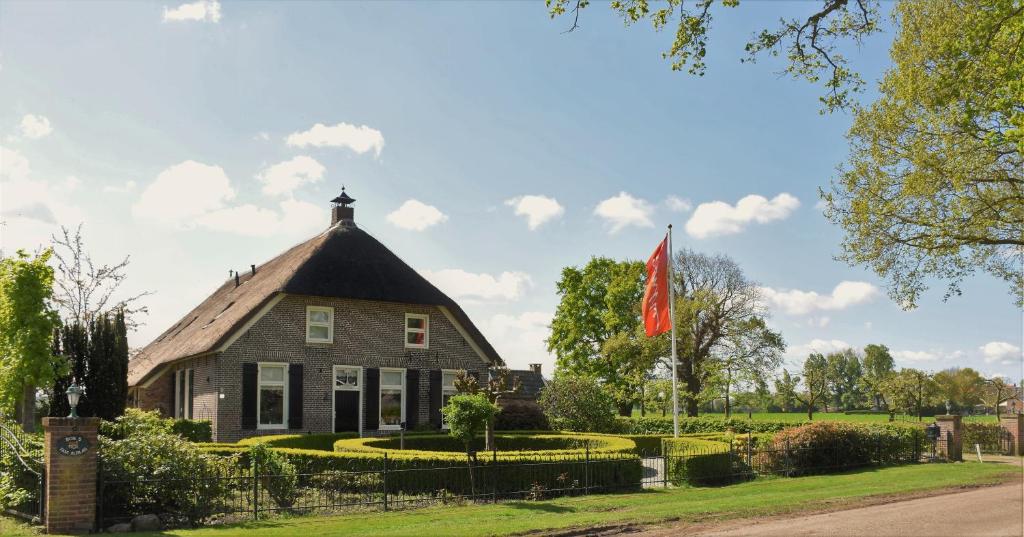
(826, 416)
(757, 498)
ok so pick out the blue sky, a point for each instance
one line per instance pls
(485, 146)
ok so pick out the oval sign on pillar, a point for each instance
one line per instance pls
(72, 445)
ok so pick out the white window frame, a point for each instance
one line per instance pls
(446, 391)
(425, 331)
(380, 395)
(359, 388)
(181, 380)
(329, 324)
(260, 383)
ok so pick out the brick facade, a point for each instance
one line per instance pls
(367, 334)
(1013, 424)
(70, 479)
(950, 437)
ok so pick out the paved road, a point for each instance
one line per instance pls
(986, 512)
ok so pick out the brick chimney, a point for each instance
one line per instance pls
(341, 211)
(535, 368)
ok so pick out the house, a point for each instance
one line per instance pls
(531, 382)
(335, 334)
(1015, 404)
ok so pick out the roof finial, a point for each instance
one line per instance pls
(343, 199)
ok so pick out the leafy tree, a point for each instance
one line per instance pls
(578, 403)
(468, 415)
(815, 383)
(996, 392)
(714, 303)
(878, 365)
(960, 387)
(844, 372)
(809, 43)
(634, 356)
(934, 184)
(751, 352)
(908, 392)
(500, 383)
(26, 332)
(785, 390)
(599, 302)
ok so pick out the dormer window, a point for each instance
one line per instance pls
(417, 331)
(319, 324)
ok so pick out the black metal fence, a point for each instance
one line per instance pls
(21, 461)
(245, 492)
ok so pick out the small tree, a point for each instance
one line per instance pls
(785, 390)
(815, 382)
(501, 383)
(996, 392)
(908, 392)
(467, 416)
(578, 403)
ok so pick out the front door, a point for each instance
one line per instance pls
(347, 390)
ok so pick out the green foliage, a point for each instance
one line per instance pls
(909, 391)
(577, 403)
(26, 326)
(828, 446)
(521, 416)
(698, 461)
(700, 424)
(467, 416)
(277, 476)
(932, 188)
(324, 442)
(961, 387)
(193, 430)
(878, 365)
(106, 376)
(785, 390)
(151, 471)
(816, 383)
(135, 422)
(987, 435)
(19, 486)
(843, 372)
(509, 445)
(749, 354)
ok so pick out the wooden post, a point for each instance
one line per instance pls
(71, 448)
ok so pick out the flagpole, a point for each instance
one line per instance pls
(672, 315)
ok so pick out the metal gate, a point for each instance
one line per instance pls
(21, 456)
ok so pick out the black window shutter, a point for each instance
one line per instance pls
(295, 396)
(191, 391)
(371, 391)
(435, 398)
(412, 398)
(174, 395)
(250, 372)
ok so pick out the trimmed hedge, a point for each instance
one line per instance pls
(988, 435)
(699, 461)
(700, 424)
(510, 446)
(193, 430)
(322, 441)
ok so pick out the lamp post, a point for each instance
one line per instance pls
(74, 393)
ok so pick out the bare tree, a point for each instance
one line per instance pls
(83, 290)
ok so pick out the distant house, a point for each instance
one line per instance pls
(1015, 404)
(335, 334)
(531, 383)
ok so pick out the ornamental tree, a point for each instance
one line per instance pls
(467, 416)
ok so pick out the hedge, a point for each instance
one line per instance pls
(700, 424)
(987, 435)
(700, 461)
(827, 447)
(320, 441)
(510, 446)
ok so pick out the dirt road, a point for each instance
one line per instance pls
(985, 512)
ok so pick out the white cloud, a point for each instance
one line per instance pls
(202, 10)
(34, 127)
(184, 192)
(284, 177)
(128, 186)
(294, 218)
(537, 209)
(818, 322)
(262, 136)
(1001, 352)
(458, 283)
(520, 339)
(416, 216)
(677, 204)
(624, 210)
(797, 302)
(915, 356)
(31, 209)
(360, 139)
(719, 218)
(71, 183)
(823, 346)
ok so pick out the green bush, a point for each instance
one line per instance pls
(193, 430)
(279, 477)
(826, 447)
(151, 471)
(521, 416)
(700, 424)
(575, 403)
(510, 446)
(135, 421)
(323, 441)
(18, 486)
(700, 461)
(988, 435)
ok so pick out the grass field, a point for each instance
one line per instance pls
(823, 416)
(763, 497)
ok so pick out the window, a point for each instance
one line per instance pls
(346, 378)
(272, 403)
(183, 393)
(447, 391)
(319, 324)
(417, 330)
(392, 398)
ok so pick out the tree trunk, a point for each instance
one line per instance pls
(728, 409)
(488, 438)
(626, 409)
(28, 409)
(810, 412)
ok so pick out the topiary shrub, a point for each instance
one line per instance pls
(691, 460)
(577, 403)
(519, 415)
(277, 476)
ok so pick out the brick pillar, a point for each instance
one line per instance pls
(1014, 425)
(950, 437)
(71, 449)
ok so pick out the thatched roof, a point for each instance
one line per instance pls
(342, 262)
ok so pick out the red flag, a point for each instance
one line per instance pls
(655, 309)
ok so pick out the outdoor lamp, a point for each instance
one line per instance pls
(74, 392)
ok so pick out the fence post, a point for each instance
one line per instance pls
(494, 476)
(664, 465)
(586, 470)
(255, 488)
(750, 447)
(384, 481)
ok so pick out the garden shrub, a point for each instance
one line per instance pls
(135, 421)
(521, 415)
(510, 446)
(988, 435)
(577, 403)
(698, 461)
(19, 487)
(151, 471)
(193, 430)
(321, 441)
(826, 447)
(279, 477)
(699, 424)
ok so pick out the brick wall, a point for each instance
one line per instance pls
(70, 480)
(158, 396)
(160, 393)
(1013, 424)
(368, 334)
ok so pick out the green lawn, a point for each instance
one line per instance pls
(765, 497)
(823, 416)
